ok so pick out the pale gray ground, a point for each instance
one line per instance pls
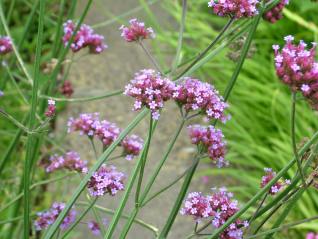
(111, 71)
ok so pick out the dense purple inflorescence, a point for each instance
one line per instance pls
(269, 175)
(5, 45)
(275, 13)
(296, 67)
(106, 180)
(193, 94)
(46, 218)
(312, 235)
(136, 31)
(85, 37)
(234, 8)
(95, 228)
(50, 111)
(67, 88)
(212, 141)
(197, 205)
(71, 161)
(150, 89)
(132, 146)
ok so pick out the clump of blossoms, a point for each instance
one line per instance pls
(85, 37)
(297, 68)
(85, 124)
(46, 218)
(211, 140)
(50, 111)
(275, 13)
(106, 131)
(193, 94)
(269, 175)
(197, 205)
(132, 146)
(219, 207)
(5, 45)
(71, 161)
(106, 180)
(234, 8)
(311, 235)
(94, 227)
(136, 31)
(225, 207)
(150, 89)
(67, 89)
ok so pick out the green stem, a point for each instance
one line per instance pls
(150, 56)
(293, 136)
(32, 122)
(57, 40)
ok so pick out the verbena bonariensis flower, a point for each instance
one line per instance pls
(95, 228)
(150, 89)
(71, 161)
(224, 207)
(50, 111)
(311, 235)
(106, 180)
(136, 31)
(106, 131)
(193, 94)
(46, 218)
(234, 8)
(85, 124)
(85, 37)
(275, 13)
(197, 205)
(296, 67)
(132, 146)
(269, 175)
(67, 88)
(212, 141)
(5, 45)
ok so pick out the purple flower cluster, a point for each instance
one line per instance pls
(312, 235)
(211, 140)
(296, 66)
(193, 94)
(71, 161)
(5, 45)
(50, 111)
(95, 228)
(220, 207)
(136, 31)
(132, 146)
(46, 218)
(269, 175)
(275, 13)
(106, 180)
(67, 88)
(234, 8)
(150, 89)
(85, 37)
(90, 124)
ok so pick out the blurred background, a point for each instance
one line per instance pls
(258, 134)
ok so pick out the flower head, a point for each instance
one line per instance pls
(95, 227)
(311, 235)
(85, 124)
(67, 89)
(150, 89)
(193, 94)
(5, 45)
(276, 12)
(234, 8)
(71, 161)
(46, 218)
(85, 37)
(106, 180)
(269, 175)
(50, 111)
(197, 205)
(212, 141)
(132, 146)
(136, 31)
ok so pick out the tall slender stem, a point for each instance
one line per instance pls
(32, 122)
(293, 136)
(150, 56)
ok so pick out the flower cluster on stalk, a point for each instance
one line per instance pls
(150, 89)
(89, 124)
(94, 227)
(276, 12)
(211, 141)
(234, 8)
(71, 161)
(297, 68)
(106, 180)
(5, 45)
(136, 31)
(85, 37)
(312, 235)
(67, 88)
(218, 207)
(193, 95)
(46, 218)
(278, 186)
(50, 111)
